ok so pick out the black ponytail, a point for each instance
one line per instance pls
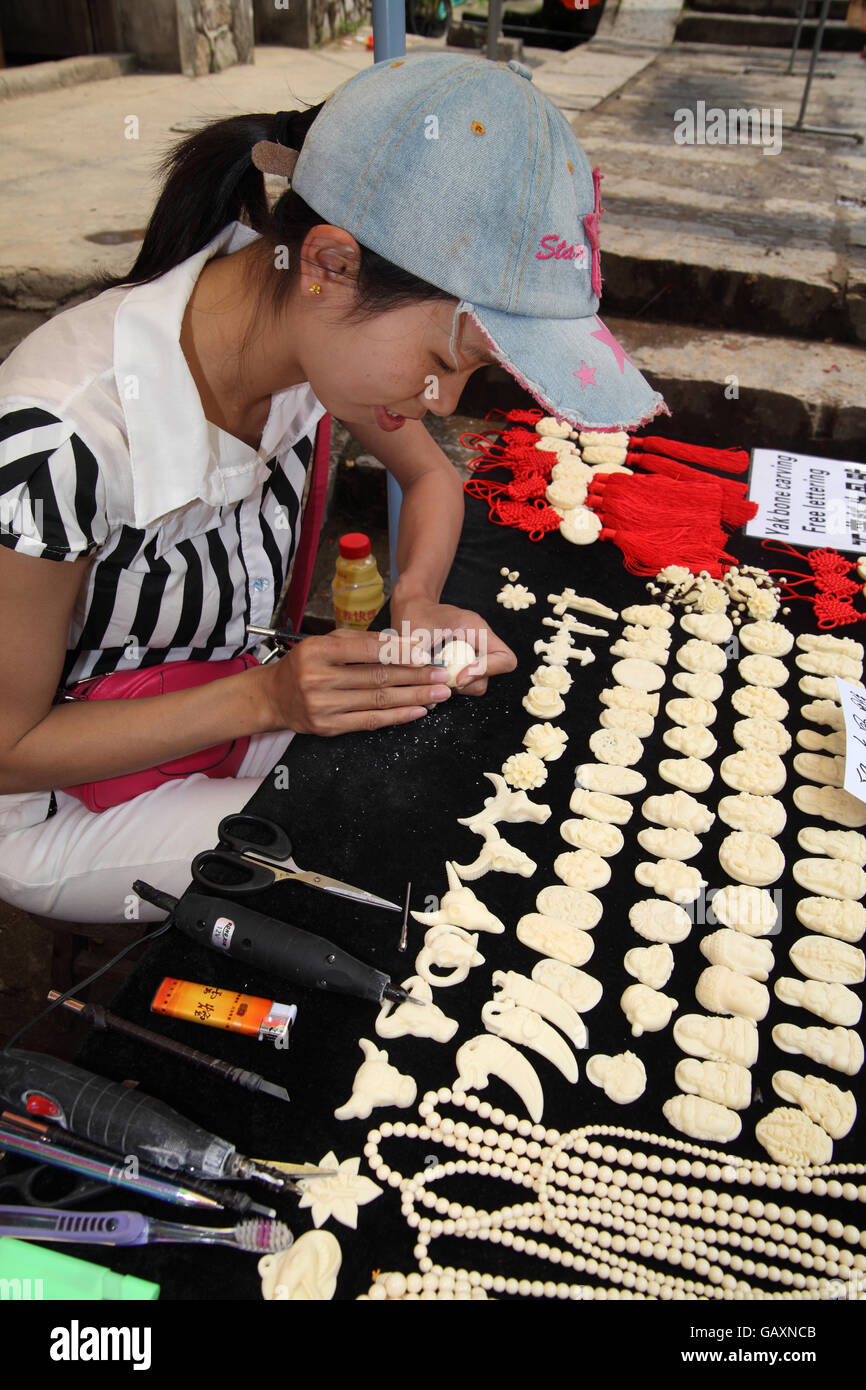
(208, 181)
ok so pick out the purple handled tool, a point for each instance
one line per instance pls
(131, 1228)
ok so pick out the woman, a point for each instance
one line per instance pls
(154, 441)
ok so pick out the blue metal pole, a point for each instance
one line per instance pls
(389, 41)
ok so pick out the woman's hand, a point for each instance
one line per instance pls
(432, 623)
(344, 682)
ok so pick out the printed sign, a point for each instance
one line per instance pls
(853, 701)
(808, 501)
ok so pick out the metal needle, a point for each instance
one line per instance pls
(401, 946)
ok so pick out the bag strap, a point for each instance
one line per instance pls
(305, 558)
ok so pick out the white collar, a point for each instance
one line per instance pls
(176, 455)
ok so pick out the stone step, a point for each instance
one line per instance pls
(763, 31)
(726, 236)
(785, 9)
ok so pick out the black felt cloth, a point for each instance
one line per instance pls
(381, 809)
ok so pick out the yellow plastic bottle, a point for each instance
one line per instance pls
(357, 585)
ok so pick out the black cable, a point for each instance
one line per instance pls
(82, 984)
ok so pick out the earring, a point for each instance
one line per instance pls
(315, 289)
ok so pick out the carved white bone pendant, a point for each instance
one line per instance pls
(723, 991)
(746, 909)
(835, 917)
(497, 854)
(726, 1083)
(832, 878)
(518, 989)
(415, 1020)
(551, 936)
(572, 905)
(658, 920)
(822, 958)
(506, 805)
(450, 949)
(305, 1273)
(679, 811)
(575, 987)
(600, 806)
(791, 1138)
(650, 965)
(830, 1107)
(717, 1039)
(838, 1048)
(668, 843)
(594, 835)
(702, 1119)
(461, 908)
(647, 1010)
(837, 844)
(748, 955)
(622, 1077)
(523, 1026)
(672, 879)
(376, 1083)
(609, 777)
(833, 1003)
(486, 1054)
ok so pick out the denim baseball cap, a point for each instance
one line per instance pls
(463, 173)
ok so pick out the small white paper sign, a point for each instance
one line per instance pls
(853, 701)
(808, 501)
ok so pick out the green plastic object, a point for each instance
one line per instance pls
(30, 1272)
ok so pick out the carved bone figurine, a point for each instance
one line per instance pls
(506, 805)
(726, 1083)
(484, 1054)
(718, 1039)
(833, 1003)
(461, 908)
(621, 1077)
(506, 1019)
(497, 854)
(702, 1119)
(748, 955)
(822, 958)
(447, 948)
(791, 1138)
(838, 1048)
(833, 1109)
(647, 1010)
(306, 1272)
(413, 1019)
(575, 987)
(376, 1083)
(723, 991)
(518, 989)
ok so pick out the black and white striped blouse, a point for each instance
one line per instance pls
(105, 452)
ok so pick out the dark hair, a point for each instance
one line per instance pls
(209, 180)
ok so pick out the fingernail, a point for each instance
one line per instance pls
(440, 692)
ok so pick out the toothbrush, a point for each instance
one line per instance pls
(131, 1228)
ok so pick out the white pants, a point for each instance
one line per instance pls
(79, 866)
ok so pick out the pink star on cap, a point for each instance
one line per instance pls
(605, 336)
(586, 374)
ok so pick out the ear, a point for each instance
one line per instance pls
(330, 253)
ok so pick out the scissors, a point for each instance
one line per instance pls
(259, 853)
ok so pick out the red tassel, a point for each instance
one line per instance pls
(645, 554)
(728, 460)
